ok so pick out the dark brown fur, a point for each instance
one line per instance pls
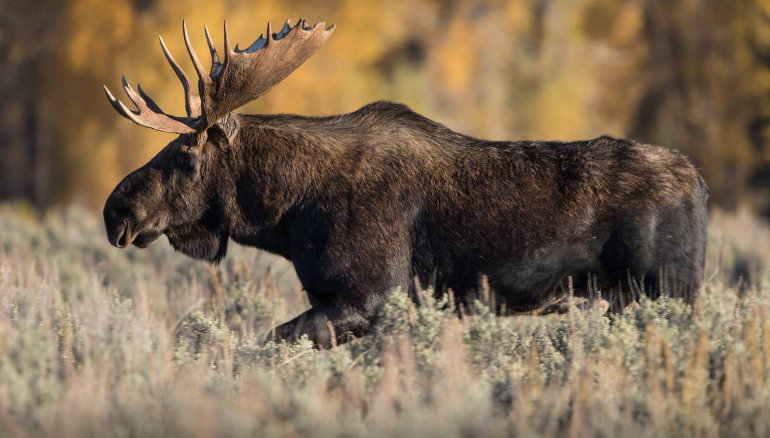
(365, 202)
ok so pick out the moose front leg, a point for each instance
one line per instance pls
(325, 325)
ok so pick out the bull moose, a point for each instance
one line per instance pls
(370, 201)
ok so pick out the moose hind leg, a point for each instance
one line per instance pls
(681, 248)
(661, 254)
(625, 259)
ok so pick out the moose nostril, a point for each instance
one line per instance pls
(122, 235)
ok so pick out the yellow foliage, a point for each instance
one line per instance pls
(495, 69)
(96, 28)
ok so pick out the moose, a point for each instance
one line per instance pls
(384, 198)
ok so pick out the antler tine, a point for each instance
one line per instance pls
(134, 96)
(147, 115)
(192, 99)
(150, 103)
(216, 65)
(227, 44)
(204, 78)
(118, 105)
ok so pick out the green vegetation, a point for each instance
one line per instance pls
(96, 341)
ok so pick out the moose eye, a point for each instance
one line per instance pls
(185, 160)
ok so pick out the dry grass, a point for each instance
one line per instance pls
(96, 341)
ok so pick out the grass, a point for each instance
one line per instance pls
(100, 342)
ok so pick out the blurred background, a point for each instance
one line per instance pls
(688, 74)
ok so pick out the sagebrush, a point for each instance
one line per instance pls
(94, 341)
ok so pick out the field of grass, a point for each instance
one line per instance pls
(95, 341)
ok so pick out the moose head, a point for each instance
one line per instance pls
(184, 190)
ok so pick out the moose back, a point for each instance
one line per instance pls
(367, 202)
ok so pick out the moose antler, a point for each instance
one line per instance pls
(242, 76)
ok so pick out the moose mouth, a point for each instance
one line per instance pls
(145, 239)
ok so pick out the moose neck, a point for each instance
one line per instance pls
(275, 165)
